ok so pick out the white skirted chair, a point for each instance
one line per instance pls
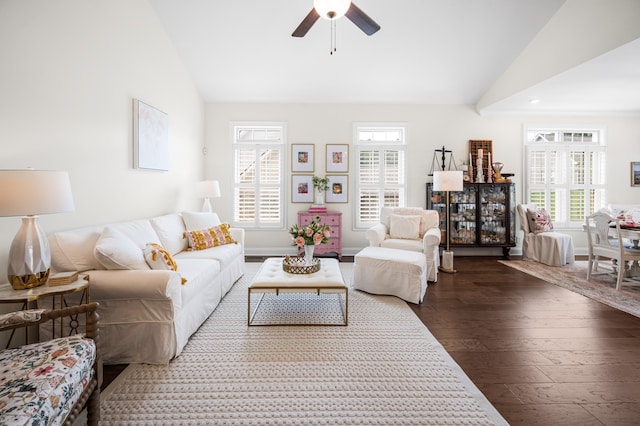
(409, 228)
(540, 243)
(606, 242)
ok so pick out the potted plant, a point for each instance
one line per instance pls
(320, 185)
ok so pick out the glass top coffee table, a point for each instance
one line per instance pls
(273, 280)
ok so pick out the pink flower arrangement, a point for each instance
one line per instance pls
(315, 233)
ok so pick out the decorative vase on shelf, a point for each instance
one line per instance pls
(319, 198)
(308, 254)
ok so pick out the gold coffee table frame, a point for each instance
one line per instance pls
(272, 279)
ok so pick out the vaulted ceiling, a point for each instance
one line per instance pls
(575, 56)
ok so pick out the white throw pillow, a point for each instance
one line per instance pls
(200, 220)
(404, 226)
(114, 250)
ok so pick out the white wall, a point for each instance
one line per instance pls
(430, 127)
(69, 72)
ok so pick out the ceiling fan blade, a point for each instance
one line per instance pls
(306, 24)
(362, 20)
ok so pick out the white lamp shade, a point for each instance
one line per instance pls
(448, 180)
(34, 192)
(208, 189)
(331, 9)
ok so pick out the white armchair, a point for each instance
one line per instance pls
(397, 229)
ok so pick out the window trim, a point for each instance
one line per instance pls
(589, 147)
(284, 158)
(358, 146)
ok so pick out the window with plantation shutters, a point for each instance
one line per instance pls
(258, 173)
(380, 170)
(565, 173)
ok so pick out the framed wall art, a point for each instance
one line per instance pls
(302, 158)
(302, 189)
(337, 158)
(635, 173)
(338, 191)
(150, 137)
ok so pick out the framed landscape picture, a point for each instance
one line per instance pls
(302, 189)
(302, 158)
(337, 158)
(635, 173)
(338, 191)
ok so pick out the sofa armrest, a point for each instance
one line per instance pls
(136, 284)
(376, 234)
(238, 235)
(431, 239)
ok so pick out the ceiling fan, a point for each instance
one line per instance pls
(334, 9)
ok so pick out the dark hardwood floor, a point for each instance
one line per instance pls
(541, 354)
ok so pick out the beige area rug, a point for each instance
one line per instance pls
(384, 368)
(602, 287)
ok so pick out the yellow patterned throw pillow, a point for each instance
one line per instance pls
(210, 237)
(158, 258)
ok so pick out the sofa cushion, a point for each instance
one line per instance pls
(199, 273)
(159, 258)
(428, 218)
(114, 250)
(170, 229)
(73, 250)
(226, 254)
(404, 226)
(210, 237)
(139, 231)
(539, 221)
(402, 244)
(200, 220)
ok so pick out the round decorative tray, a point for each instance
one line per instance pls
(297, 265)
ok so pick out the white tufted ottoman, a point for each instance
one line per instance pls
(394, 272)
(272, 279)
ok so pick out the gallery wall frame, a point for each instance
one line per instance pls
(302, 158)
(338, 191)
(337, 158)
(635, 173)
(150, 137)
(302, 189)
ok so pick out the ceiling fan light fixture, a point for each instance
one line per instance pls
(331, 9)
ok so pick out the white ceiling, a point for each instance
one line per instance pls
(427, 52)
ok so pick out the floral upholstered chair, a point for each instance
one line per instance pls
(49, 383)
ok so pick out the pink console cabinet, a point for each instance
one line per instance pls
(334, 220)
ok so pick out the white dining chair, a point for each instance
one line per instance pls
(606, 241)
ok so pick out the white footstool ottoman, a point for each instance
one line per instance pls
(394, 272)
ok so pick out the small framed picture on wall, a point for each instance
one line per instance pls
(338, 191)
(337, 158)
(302, 158)
(635, 173)
(302, 189)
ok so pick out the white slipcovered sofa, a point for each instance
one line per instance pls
(418, 231)
(147, 315)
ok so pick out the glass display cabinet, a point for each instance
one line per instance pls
(482, 215)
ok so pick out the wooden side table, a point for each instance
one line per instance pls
(30, 298)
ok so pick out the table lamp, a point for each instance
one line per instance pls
(29, 193)
(448, 181)
(208, 189)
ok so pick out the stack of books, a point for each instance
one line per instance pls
(63, 278)
(318, 208)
